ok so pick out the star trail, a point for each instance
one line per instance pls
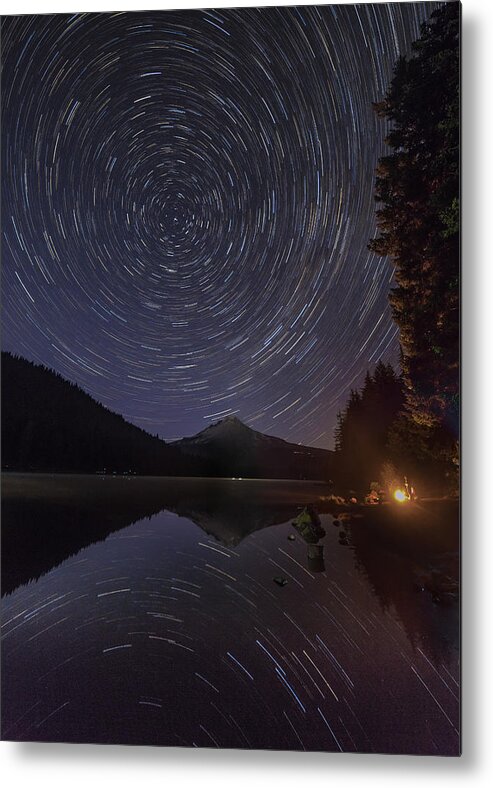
(186, 205)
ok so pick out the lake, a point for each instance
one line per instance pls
(188, 612)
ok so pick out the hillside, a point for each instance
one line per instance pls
(52, 425)
(49, 424)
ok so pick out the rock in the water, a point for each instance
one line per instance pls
(281, 581)
(313, 515)
(308, 525)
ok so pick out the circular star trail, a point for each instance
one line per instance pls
(187, 202)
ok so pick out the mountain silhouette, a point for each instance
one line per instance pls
(51, 425)
(230, 444)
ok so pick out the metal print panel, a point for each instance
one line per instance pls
(230, 378)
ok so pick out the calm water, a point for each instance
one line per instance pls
(173, 631)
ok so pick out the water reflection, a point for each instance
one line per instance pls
(46, 519)
(315, 556)
(416, 580)
(173, 630)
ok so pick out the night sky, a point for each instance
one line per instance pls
(187, 201)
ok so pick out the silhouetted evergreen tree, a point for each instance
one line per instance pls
(417, 188)
(364, 426)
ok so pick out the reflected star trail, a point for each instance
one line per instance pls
(141, 639)
(187, 202)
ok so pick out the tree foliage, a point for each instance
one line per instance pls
(363, 427)
(417, 188)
